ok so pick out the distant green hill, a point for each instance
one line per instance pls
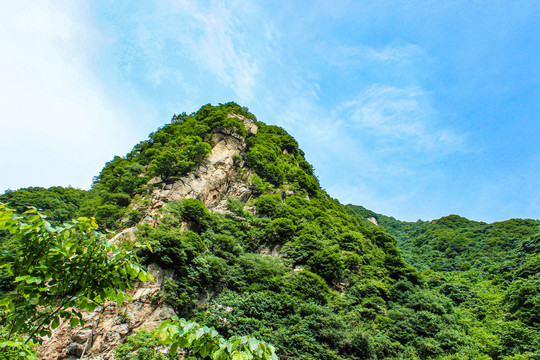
(456, 243)
(490, 271)
(58, 203)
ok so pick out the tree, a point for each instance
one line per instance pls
(327, 264)
(192, 211)
(205, 341)
(57, 271)
(280, 230)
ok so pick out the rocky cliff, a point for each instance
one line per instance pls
(109, 325)
(217, 180)
(249, 244)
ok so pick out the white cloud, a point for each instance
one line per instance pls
(402, 117)
(222, 37)
(392, 53)
(58, 127)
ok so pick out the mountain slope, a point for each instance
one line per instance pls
(490, 271)
(245, 240)
(289, 243)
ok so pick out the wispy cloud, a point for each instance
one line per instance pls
(217, 47)
(391, 53)
(227, 39)
(401, 117)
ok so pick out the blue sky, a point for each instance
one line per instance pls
(413, 109)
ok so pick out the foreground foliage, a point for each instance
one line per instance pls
(180, 339)
(204, 341)
(55, 272)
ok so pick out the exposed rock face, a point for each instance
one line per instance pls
(109, 325)
(373, 220)
(273, 251)
(216, 180)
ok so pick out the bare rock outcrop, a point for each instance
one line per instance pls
(109, 325)
(373, 220)
(215, 180)
(219, 178)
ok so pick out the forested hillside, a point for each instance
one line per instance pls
(490, 271)
(285, 262)
(57, 203)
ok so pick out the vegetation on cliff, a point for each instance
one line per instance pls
(297, 269)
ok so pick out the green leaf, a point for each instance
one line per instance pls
(34, 280)
(164, 335)
(73, 322)
(174, 349)
(205, 349)
(230, 346)
(253, 344)
(22, 278)
(219, 354)
(55, 322)
(91, 306)
(48, 227)
(173, 329)
(163, 325)
(120, 298)
(33, 218)
(183, 342)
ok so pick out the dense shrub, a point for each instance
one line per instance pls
(328, 264)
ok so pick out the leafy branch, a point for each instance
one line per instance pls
(196, 339)
(66, 267)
